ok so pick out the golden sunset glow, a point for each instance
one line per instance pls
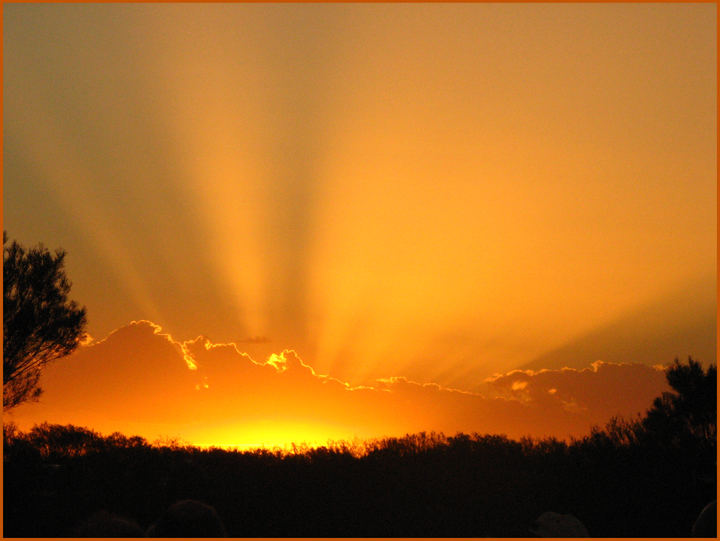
(145, 382)
(312, 222)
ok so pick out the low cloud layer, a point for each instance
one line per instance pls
(142, 381)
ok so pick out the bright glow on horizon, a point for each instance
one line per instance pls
(271, 434)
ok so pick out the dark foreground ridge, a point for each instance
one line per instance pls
(649, 477)
(416, 486)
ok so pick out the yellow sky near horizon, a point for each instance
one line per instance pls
(434, 191)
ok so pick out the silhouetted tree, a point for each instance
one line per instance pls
(690, 411)
(40, 324)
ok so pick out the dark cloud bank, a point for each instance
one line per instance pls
(139, 380)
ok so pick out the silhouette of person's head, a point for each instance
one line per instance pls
(104, 524)
(706, 522)
(551, 524)
(188, 518)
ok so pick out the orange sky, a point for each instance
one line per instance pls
(140, 380)
(428, 191)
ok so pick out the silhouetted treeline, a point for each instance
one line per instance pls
(648, 477)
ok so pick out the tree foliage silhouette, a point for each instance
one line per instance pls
(689, 411)
(40, 323)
